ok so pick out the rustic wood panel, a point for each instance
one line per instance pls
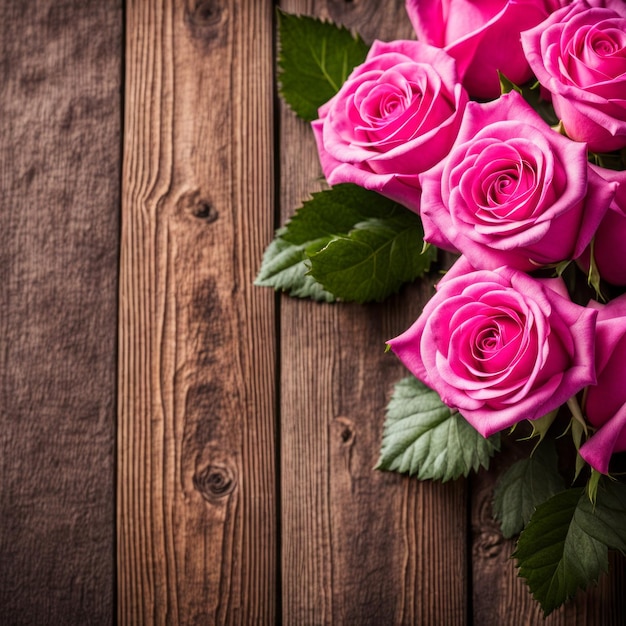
(60, 117)
(359, 546)
(207, 362)
(197, 521)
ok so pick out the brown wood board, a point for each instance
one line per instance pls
(196, 488)
(60, 122)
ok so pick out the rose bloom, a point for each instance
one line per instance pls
(482, 36)
(608, 248)
(500, 346)
(396, 115)
(579, 55)
(616, 5)
(512, 191)
(605, 404)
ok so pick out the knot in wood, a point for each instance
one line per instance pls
(198, 206)
(204, 210)
(346, 430)
(214, 482)
(204, 18)
(488, 545)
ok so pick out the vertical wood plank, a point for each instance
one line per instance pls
(197, 530)
(60, 117)
(359, 546)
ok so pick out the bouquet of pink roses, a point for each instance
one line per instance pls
(499, 136)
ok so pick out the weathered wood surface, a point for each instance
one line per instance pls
(197, 486)
(248, 424)
(60, 119)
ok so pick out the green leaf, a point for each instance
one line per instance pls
(423, 436)
(593, 275)
(541, 425)
(349, 243)
(610, 160)
(555, 553)
(285, 267)
(507, 86)
(377, 245)
(577, 432)
(605, 520)
(525, 485)
(314, 60)
(531, 92)
(592, 484)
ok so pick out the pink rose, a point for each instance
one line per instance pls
(482, 36)
(605, 405)
(500, 346)
(579, 55)
(396, 115)
(608, 249)
(512, 191)
(619, 6)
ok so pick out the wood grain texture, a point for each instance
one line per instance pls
(359, 546)
(196, 489)
(60, 118)
(203, 535)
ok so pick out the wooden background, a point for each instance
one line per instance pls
(176, 445)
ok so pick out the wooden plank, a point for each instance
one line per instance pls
(359, 546)
(196, 489)
(60, 117)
